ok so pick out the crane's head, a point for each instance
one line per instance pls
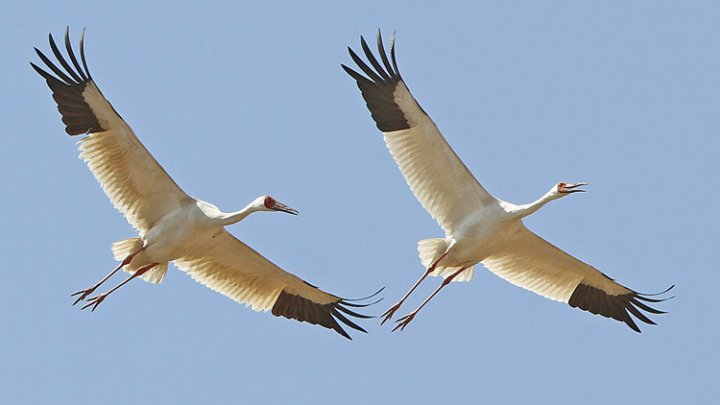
(562, 189)
(268, 203)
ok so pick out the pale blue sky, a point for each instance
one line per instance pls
(241, 99)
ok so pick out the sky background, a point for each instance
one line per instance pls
(239, 99)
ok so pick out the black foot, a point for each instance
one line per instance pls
(390, 312)
(83, 294)
(404, 321)
(94, 302)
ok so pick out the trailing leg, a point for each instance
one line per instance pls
(84, 293)
(96, 300)
(405, 320)
(390, 312)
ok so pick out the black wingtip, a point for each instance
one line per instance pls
(41, 72)
(660, 293)
(392, 52)
(378, 84)
(345, 68)
(329, 315)
(68, 84)
(354, 305)
(353, 313)
(341, 305)
(618, 307)
(347, 322)
(82, 54)
(68, 47)
(365, 298)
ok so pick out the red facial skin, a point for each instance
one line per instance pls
(269, 202)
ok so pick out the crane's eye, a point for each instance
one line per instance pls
(561, 185)
(269, 202)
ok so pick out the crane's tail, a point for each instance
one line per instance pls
(155, 275)
(430, 250)
(124, 248)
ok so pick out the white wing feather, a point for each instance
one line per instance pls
(436, 175)
(530, 262)
(438, 178)
(133, 180)
(230, 267)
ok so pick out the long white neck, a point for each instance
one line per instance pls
(524, 210)
(229, 218)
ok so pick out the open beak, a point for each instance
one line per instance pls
(284, 208)
(573, 188)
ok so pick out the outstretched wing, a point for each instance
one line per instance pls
(532, 263)
(437, 177)
(133, 180)
(232, 268)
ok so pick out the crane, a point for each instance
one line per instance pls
(479, 228)
(173, 226)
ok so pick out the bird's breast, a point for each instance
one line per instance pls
(477, 240)
(175, 234)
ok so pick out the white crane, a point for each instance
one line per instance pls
(479, 228)
(172, 225)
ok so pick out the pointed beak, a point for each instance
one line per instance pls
(284, 208)
(573, 188)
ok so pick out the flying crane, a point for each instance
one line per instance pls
(479, 228)
(173, 226)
